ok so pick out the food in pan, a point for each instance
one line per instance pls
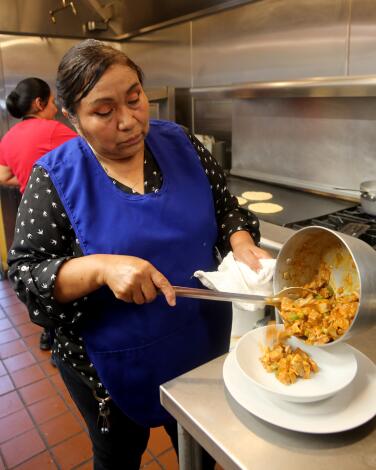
(257, 195)
(323, 316)
(265, 207)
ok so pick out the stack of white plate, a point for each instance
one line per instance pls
(340, 396)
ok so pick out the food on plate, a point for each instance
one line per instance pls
(265, 207)
(321, 317)
(241, 200)
(257, 195)
(287, 363)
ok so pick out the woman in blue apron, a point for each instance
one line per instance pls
(109, 220)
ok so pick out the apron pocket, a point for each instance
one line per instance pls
(132, 376)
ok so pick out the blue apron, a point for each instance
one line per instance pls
(136, 348)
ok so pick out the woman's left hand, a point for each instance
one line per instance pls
(246, 251)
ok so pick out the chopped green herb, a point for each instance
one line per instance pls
(294, 317)
(331, 291)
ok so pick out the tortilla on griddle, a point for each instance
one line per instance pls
(265, 207)
(257, 195)
(241, 200)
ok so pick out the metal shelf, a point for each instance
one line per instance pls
(316, 87)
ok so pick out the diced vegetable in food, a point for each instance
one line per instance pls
(321, 317)
(287, 364)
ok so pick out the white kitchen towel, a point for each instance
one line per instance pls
(235, 276)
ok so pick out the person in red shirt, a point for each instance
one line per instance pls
(6, 176)
(36, 134)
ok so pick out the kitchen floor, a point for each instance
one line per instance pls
(40, 427)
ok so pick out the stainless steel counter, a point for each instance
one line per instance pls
(273, 236)
(238, 440)
(208, 415)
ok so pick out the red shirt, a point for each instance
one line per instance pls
(27, 141)
(2, 161)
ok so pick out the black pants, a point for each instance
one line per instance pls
(123, 446)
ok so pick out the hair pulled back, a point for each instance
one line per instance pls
(19, 101)
(83, 66)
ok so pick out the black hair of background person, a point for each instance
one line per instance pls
(19, 100)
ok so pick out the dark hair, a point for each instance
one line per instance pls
(19, 100)
(81, 68)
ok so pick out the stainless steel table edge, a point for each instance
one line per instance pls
(190, 433)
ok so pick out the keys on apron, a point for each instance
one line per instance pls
(103, 421)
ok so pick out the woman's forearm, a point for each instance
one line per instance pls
(240, 237)
(131, 279)
(7, 177)
(12, 181)
(78, 277)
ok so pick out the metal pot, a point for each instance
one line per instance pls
(353, 267)
(368, 196)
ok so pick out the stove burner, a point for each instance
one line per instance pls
(354, 229)
(352, 221)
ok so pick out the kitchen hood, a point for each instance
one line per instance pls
(104, 19)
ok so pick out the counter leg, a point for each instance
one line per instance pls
(189, 451)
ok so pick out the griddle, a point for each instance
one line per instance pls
(297, 205)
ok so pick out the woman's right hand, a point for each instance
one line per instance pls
(133, 279)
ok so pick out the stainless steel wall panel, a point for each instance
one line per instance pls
(271, 40)
(4, 124)
(32, 55)
(164, 56)
(214, 118)
(306, 143)
(362, 57)
(316, 87)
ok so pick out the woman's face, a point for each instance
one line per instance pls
(114, 116)
(50, 110)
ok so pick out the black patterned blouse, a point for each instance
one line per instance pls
(44, 239)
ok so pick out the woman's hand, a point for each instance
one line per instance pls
(135, 280)
(131, 279)
(246, 251)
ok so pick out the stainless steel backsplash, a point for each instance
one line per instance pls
(312, 143)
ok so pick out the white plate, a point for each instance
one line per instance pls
(337, 368)
(351, 407)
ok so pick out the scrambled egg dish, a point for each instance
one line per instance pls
(288, 364)
(320, 317)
